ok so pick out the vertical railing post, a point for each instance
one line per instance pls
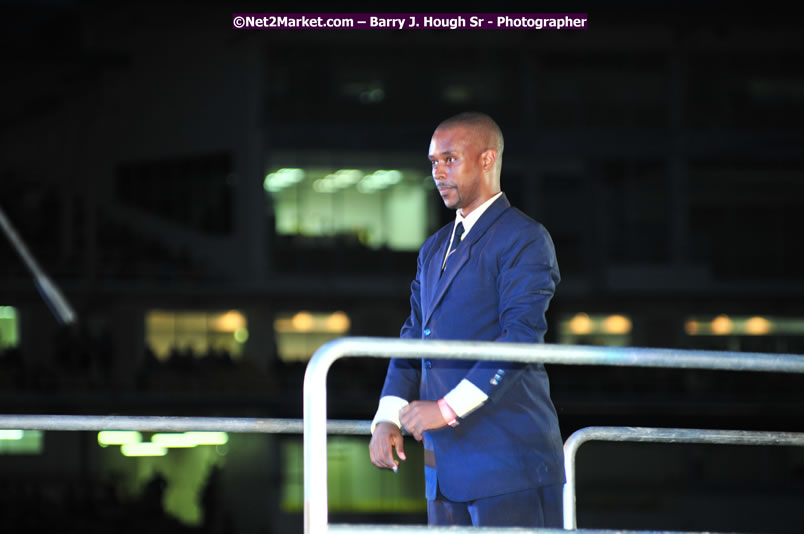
(570, 449)
(315, 436)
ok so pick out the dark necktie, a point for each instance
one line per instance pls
(456, 240)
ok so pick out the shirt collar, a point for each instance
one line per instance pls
(470, 220)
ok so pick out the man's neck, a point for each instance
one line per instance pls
(463, 212)
(471, 218)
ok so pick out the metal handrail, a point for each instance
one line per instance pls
(175, 424)
(315, 383)
(345, 528)
(315, 426)
(659, 435)
(342, 427)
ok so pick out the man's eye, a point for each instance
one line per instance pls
(433, 163)
(450, 159)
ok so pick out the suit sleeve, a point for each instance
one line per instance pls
(404, 374)
(527, 278)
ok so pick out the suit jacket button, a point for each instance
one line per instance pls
(426, 331)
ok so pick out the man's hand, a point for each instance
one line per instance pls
(386, 437)
(419, 416)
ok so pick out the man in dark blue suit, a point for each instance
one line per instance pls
(493, 450)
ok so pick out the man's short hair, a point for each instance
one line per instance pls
(476, 119)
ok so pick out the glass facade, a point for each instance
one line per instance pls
(375, 208)
(197, 331)
(9, 332)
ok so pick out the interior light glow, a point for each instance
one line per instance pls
(16, 441)
(118, 437)
(208, 438)
(757, 326)
(581, 324)
(347, 177)
(722, 325)
(365, 187)
(8, 312)
(303, 321)
(142, 449)
(338, 322)
(230, 321)
(267, 183)
(11, 434)
(325, 185)
(279, 179)
(379, 179)
(293, 175)
(172, 441)
(241, 335)
(617, 324)
(392, 177)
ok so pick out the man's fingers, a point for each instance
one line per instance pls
(414, 427)
(379, 456)
(400, 448)
(383, 459)
(388, 459)
(381, 447)
(404, 417)
(408, 416)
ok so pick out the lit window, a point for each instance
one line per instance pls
(21, 442)
(755, 325)
(299, 334)
(8, 327)
(200, 332)
(608, 330)
(355, 486)
(377, 207)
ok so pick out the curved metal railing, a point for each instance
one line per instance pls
(659, 435)
(315, 384)
(315, 425)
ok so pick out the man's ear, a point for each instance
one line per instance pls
(488, 159)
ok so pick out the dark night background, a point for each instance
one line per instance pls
(662, 149)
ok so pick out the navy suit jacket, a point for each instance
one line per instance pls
(496, 287)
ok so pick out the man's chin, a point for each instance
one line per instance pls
(451, 203)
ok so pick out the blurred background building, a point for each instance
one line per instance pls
(216, 204)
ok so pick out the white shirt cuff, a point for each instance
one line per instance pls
(388, 411)
(465, 398)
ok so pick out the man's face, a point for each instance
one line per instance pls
(455, 156)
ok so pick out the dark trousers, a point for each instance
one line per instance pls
(538, 507)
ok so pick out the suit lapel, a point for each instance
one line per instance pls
(437, 283)
(433, 270)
